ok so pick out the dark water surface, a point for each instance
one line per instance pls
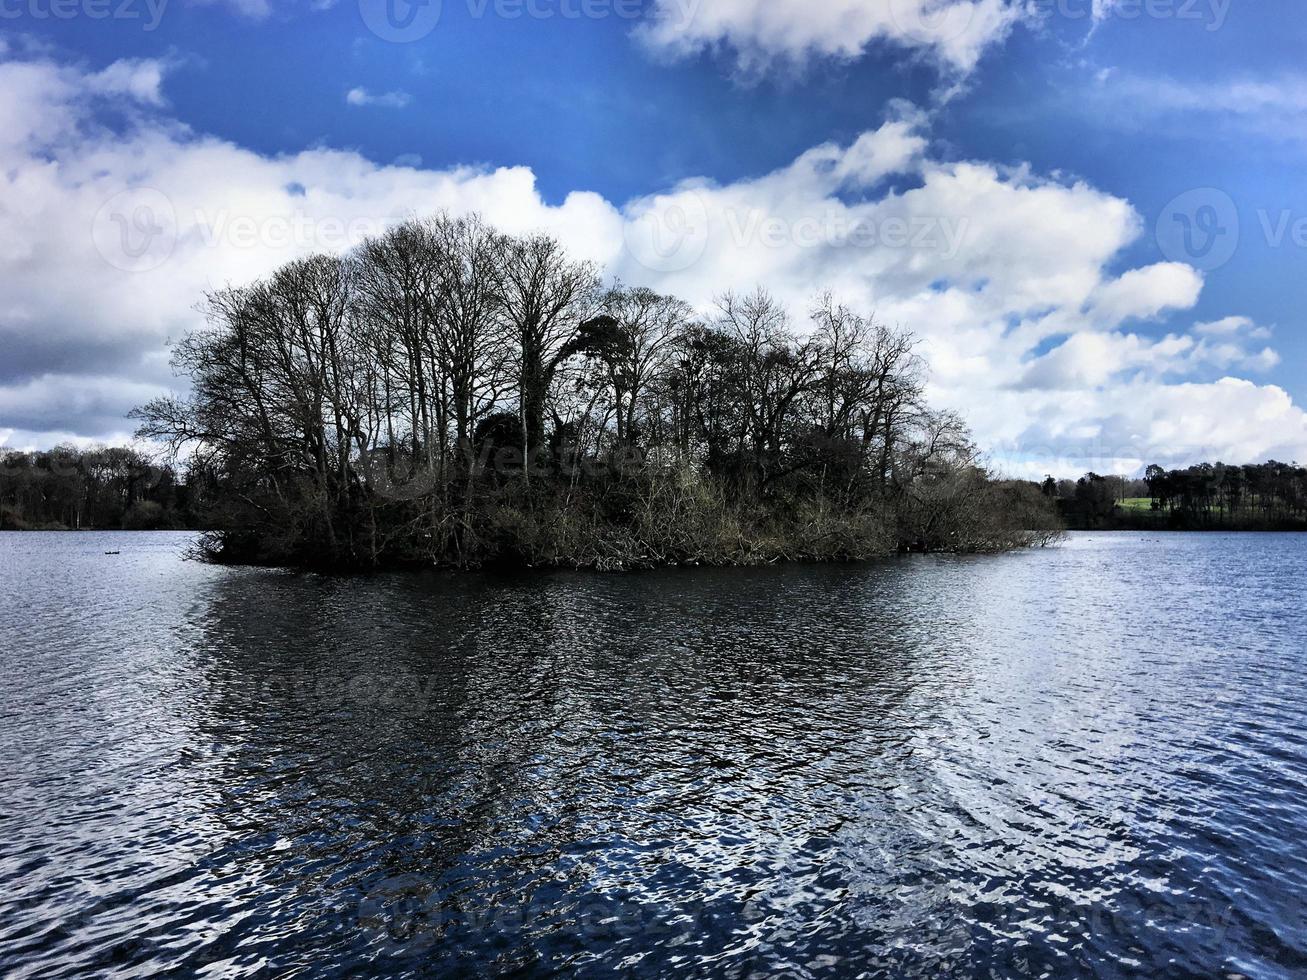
(1076, 761)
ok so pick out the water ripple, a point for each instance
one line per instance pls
(1081, 761)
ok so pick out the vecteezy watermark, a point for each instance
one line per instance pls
(932, 21)
(1203, 922)
(148, 11)
(297, 230)
(326, 691)
(136, 229)
(400, 21)
(416, 913)
(1202, 228)
(1211, 14)
(667, 233)
(1091, 456)
(404, 21)
(139, 229)
(395, 476)
(1199, 228)
(61, 462)
(1283, 227)
(840, 229)
(671, 233)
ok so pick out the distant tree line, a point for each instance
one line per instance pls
(1266, 494)
(1259, 496)
(71, 488)
(448, 393)
(1089, 503)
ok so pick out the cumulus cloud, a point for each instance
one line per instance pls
(1004, 275)
(1092, 359)
(110, 236)
(1145, 293)
(1009, 278)
(762, 33)
(1124, 427)
(386, 100)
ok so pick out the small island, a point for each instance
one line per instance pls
(446, 394)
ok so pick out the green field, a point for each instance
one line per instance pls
(1136, 503)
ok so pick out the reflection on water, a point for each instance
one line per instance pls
(1083, 759)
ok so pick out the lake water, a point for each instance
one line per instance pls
(1086, 759)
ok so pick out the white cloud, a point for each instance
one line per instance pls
(386, 100)
(1092, 359)
(761, 33)
(1272, 108)
(1242, 96)
(21, 440)
(140, 79)
(1122, 428)
(1009, 289)
(1102, 9)
(1003, 274)
(50, 401)
(1232, 326)
(1145, 293)
(82, 207)
(41, 100)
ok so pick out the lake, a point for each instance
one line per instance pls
(1089, 759)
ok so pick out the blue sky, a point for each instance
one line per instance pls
(1095, 101)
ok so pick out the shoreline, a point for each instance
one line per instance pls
(1206, 529)
(203, 549)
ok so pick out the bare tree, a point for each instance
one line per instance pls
(774, 369)
(472, 347)
(398, 304)
(544, 298)
(633, 339)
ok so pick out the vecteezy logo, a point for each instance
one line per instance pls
(1199, 228)
(667, 233)
(396, 479)
(400, 21)
(402, 914)
(136, 229)
(932, 21)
